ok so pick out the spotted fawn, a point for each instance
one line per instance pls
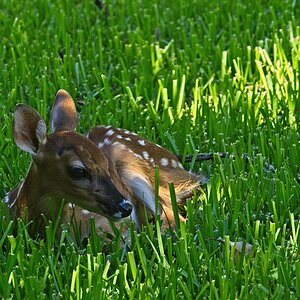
(108, 174)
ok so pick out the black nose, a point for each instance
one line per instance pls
(125, 208)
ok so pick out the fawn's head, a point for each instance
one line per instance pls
(68, 164)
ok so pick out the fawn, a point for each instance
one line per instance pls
(108, 174)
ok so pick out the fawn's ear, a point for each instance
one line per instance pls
(29, 129)
(63, 114)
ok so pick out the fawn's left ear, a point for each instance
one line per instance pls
(29, 129)
(63, 113)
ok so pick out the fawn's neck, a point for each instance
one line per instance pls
(40, 198)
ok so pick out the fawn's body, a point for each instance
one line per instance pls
(108, 174)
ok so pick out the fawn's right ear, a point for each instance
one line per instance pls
(63, 114)
(29, 129)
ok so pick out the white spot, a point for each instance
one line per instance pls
(101, 145)
(85, 212)
(108, 126)
(153, 162)
(158, 146)
(137, 155)
(71, 205)
(174, 163)
(110, 132)
(126, 131)
(180, 166)
(119, 137)
(146, 155)
(142, 142)
(164, 162)
(128, 139)
(133, 133)
(106, 141)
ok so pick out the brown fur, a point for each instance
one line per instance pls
(118, 164)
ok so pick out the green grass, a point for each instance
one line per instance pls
(194, 76)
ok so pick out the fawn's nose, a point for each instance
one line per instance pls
(125, 208)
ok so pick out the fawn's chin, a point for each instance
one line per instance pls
(103, 212)
(115, 217)
(115, 214)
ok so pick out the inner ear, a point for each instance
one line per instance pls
(63, 113)
(29, 129)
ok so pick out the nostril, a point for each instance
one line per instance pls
(125, 208)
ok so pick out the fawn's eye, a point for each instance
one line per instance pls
(78, 173)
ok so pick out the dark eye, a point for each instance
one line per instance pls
(78, 173)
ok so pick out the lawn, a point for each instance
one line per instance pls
(193, 76)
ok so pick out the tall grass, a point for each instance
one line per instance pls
(194, 76)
